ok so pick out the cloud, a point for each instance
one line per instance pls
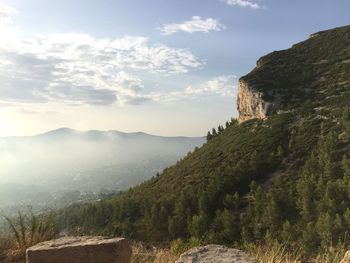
(76, 69)
(76, 95)
(25, 111)
(222, 85)
(7, 14)
(243, 3)
(219, 86)
(81, 69)
(197, 24)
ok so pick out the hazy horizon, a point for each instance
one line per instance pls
(37, 170)
(102, 131)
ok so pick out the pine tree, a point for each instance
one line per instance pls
(209, 136)
(310, 240)
(324, 228)
(280, 151)
(347, 218)
(307, 188)
(287, 232)
(199, 225)
(346, 114)
(233, 122)
(229, 223)
(346, 166)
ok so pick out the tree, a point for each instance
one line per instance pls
(310, 239)
(174, 227)
(346, 114)
(346, 167)
(324, 226)
(280, 151)
(209, 136)
(234, 121)
(231, 201)
(287, 232)
(199, 225)
(347, 218)
(230, 226)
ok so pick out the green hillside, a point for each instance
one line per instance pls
(285, 179)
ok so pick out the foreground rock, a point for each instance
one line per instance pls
(215, 253)
(346, 259)
(81, 250)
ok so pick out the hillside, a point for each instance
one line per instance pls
(280, 173)
(37, 170)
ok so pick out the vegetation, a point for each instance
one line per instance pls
(280, 185)
(282, 180)
(271, 253)
(147, 254)
(27, 230)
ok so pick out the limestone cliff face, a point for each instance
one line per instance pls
(250, 103)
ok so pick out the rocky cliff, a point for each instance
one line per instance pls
(250, 103)
(307, 74)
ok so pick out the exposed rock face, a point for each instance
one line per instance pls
(215, 253)
(346, 258)
(250, 103)
(81, 250)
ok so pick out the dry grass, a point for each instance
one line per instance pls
(144, 254)
(278, 253)
(29, 230)
(6, 243)
(331, 256)
(26, 230)
(274, 254)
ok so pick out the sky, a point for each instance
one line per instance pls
(166, 67)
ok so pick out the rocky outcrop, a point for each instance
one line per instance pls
(250, 103)
(215, 253)
(81, 250)
(346, 258)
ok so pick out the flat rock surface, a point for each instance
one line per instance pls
(215, 254)
(81, 250)
(346, 258)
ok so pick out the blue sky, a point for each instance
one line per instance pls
(159, 66)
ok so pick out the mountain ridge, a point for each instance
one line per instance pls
(66, 130)
(69, 161)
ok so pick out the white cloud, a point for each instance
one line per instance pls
(77, 69)
(7, 14)
(79, 50)
(222, 85)
(219, 86)
(197, 24)
(243, 3)
(80, 69)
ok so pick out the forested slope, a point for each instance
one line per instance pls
(282, 178)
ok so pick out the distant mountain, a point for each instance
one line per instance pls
(278, 175)
(69, 160)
